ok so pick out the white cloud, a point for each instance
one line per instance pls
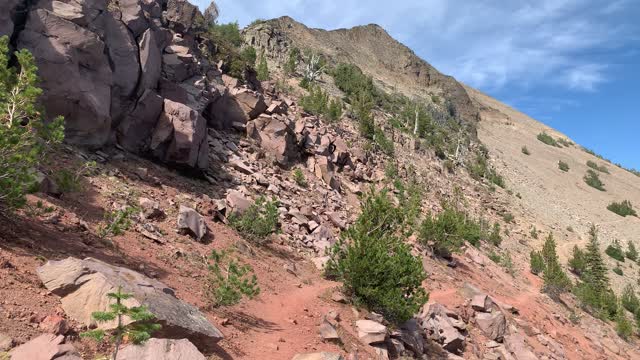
(490, 44)
(585, 77)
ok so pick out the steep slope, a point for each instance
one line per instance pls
(552, 199)
(394, 66)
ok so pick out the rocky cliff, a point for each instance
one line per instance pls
(128, 71)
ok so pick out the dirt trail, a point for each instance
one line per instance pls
(281, 325)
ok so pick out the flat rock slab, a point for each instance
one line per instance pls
(83, 286)
(45, 347)
(318, 356)
(161, 349)
(371, 332)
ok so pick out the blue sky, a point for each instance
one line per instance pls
(572, 64)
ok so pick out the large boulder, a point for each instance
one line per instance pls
(252, 103)
(161, 349)
(150, 61)
(76, 75)
(182, 15)
(133, 17)
(180, 136)
(83, 286)
(371, 332)
(436, 322)
(189, 221)
(237, 106)
(45, 347)
(7, 12)
(493, 325)
(517, 347)
(135, 129)
(275, 136)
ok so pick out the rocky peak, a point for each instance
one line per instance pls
(370, 47)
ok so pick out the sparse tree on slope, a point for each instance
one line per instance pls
(263, 68)
(556, 280)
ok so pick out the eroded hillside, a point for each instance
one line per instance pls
(199, 162)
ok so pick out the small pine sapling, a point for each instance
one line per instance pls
(138, 331)
(229, 280)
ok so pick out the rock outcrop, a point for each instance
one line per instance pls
(83, 286)
(7, 14)
(122, 71)
(161, 349)
(45, 347)
(442, 328)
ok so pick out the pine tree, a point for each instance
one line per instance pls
(632, 253)
(595, 273)
(536, 263)
(623, 325)
(556, 280)
(549, 250)
(263, 68)
(24, 136)
(138, 331)
(594, 292)
(577, 262)
(292, 63)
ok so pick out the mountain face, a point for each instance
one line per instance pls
(394, 66)
(276, 187)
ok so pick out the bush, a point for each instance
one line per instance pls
(316, 102)
(508, 217)
(563, 166)
(382, 142)
(632, 252)
(116, 222)
(249, 55)
(623, 209)
(534, 233)
(353, 82)
(229, 280)
(615, 251)
(592, 179)
(448, 231)
(624, 328)
(629, 299)
(263, 68)
(292, 61)
(334, 112)
(536, 262)
(299, 178)
(525, 150)
(494, 237)
(479, 168)
(597, 167)
(376, 266)
(547, 139)
(259, 221)
(493, 256)
(507, 264)
(68, 181)
(617, 270)
(24, 137)
(227, 33)
(228, 40)
(362, 106)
